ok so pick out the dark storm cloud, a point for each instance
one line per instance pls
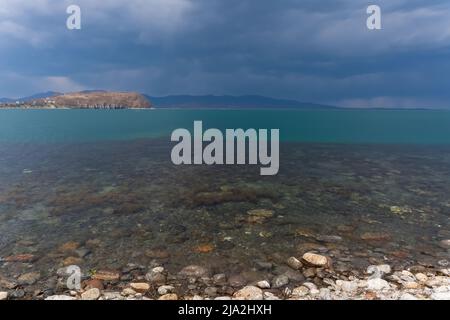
(318, 51)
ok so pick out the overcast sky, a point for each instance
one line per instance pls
(309, 50)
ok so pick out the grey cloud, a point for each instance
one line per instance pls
(309, 50)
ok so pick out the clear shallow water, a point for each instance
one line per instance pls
(84, 176)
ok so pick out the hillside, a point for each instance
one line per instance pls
(88, 100)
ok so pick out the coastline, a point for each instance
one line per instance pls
(194, 282)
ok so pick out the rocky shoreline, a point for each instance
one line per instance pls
(310, 277)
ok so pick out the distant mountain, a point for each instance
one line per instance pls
(211, 101)
(6, 100)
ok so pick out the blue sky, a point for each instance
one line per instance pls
(318, 51)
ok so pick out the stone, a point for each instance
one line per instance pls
(169, 296)
(204, 248)
(400, 210)
(82, 252)
(70, 261)
(264, 213)
(443, 263)
(237, 281)
(140, 286)
(263, 284)
(329, 239)
(69, 246)
(220, 279)
(59, 298)
(7, 283)
(384, 268)
(158, 270)
(112, 296)
(377, 284)
(91, 294)
(107, 275)
(407, 296)
(315, 259)
(294, 263)
(29, 278)
(440, 295)
(421, 277)
(222, 298)
(280, 281)
(263, 265)
(128, 292)
(347, 286)
(93, 283)
(157, 278)
(194, 271)
(293, 275)
(378, 271)
(3, 295)
(375, 236)
(325, 294)
(299, 292)
(23, 258)
(309, 273)
(211, 291)
(411, 285)
(162, 290)
(270, 296)
(249, 293)
(445, 244)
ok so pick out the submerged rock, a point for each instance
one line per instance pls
(24, 258)
(260, 213)
(29, 278)
(194, 271)
(294, 263)
(445, 244)
(107, 275)
(375, 236)
(280, 281)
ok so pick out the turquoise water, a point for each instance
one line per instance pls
(330, 126)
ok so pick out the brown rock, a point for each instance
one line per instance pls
(375, 236)
(24, 258)
(94, 283)
(140, 286)
(72, 261)
(315, 259)
(69, 246)
(106, 275)
(204, 248)
(169, 296)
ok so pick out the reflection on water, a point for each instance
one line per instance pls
(124, 202)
